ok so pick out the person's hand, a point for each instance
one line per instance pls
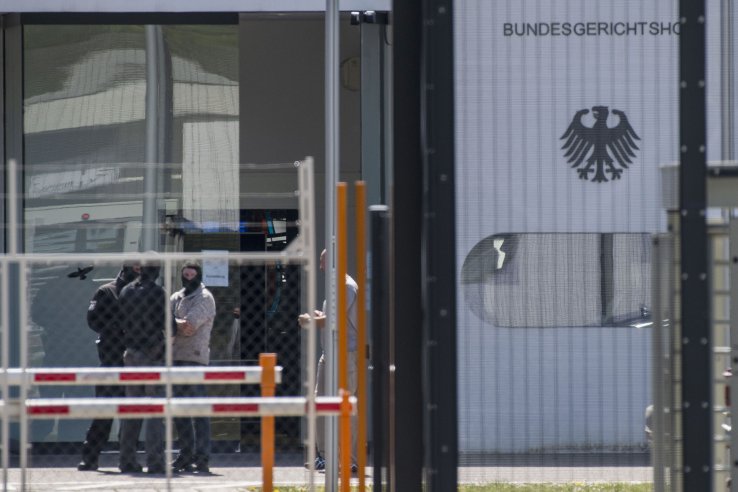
(319, 318)
(184, 328)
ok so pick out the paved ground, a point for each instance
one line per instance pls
(238, 472)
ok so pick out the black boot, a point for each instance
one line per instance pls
(182, 464)
(87, 464)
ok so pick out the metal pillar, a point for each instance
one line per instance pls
(439, 248)
(406, 320)
(373, 102)
(727, 80)
(380, 309)
(696, 343)
(150, 232)
(332, 172)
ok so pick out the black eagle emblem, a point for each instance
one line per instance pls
(602, 144)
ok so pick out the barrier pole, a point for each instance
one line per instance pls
(361, 328)
(345, 441)
(267, 363)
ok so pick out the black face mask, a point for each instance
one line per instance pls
(191, 286)
(128, 274)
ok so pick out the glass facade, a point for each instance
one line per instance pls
(130, 144)
(130, 128)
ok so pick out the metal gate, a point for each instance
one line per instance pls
(46, 409)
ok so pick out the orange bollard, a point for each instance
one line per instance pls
(342, 325)
(361, 327)
(267, 363)
(345, 422)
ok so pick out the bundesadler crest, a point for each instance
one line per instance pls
(601, 145)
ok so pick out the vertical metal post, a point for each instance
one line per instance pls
(697, 399)
(23, 396)
(733, 382)
(3, 129)
(341, 317)
(307, 223)
(672, 366)
(341, 271)
(379, 223)
(361, 341)
(15, 158)
(13, 129)
(438, 244)
(149, 239)
(372, 110)
(168, 345)
(5, 341)
(12, 232)
(660, 295)
(406, 311)
(13, 242)
(332, 168)
(12, 252)
(727, 79)
(267, 363)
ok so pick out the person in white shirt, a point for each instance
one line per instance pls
(319, 316)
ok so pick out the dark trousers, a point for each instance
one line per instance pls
(193, 433)
(99, 431)
(131, 428)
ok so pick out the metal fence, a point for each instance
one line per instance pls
(53, 388)
(665, 417)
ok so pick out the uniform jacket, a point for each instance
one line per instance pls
(103, 317)
(143, 315)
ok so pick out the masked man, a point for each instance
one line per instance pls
(193, 311)
(142, 312)
(103, 317)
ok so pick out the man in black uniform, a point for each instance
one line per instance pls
(142, 313)
(103, 317)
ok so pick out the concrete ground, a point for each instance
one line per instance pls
(241, 472)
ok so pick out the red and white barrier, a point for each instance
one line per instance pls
(139, 375)
(79, 408)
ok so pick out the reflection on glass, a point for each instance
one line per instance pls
(559, 280)
(97, 134)
(90, 129)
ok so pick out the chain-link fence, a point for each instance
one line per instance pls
(89, 313)
(128, 363)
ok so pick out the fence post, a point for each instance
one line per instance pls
(341, 315)
(342, 318)
(361, 328)
(379, 224)
(267, 363)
